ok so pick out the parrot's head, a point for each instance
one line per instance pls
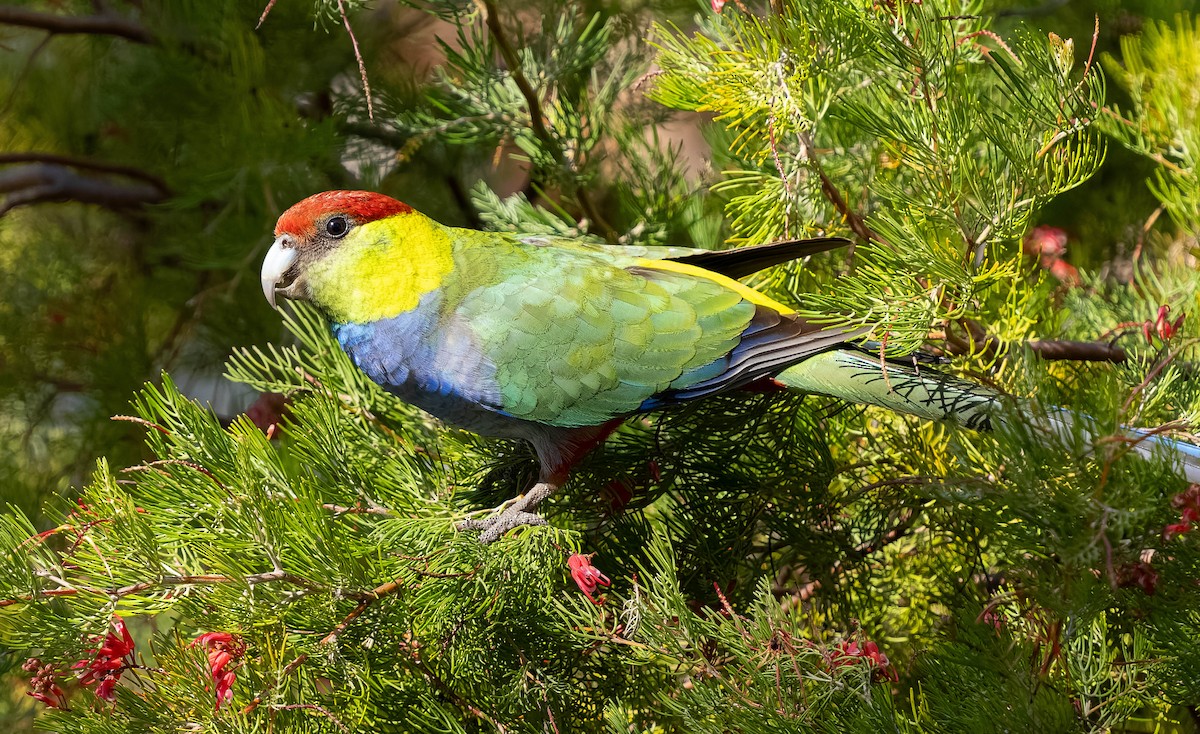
(357, 255)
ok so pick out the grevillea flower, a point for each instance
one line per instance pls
(224, 649)
(1049, 245)
(1161, 326)
(1065, 272)
(43, 685)
(267, 411)
(1188, 504)
(1140, 574)
(112, 657)
(849, 652)
(587, 577)
(1046, 241)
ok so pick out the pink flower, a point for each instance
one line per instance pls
(1049, 245)
(1065, 272)
(587, 577)
(1176, 528)
(1046, 241)
(223, 648)
(267, 411)
(112, 658)
(717, 5)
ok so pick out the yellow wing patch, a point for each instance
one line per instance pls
(746, 292)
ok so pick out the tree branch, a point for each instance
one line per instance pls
(978, 340)
(102, 24)
(454, 697)
(853, 219)
(67, 589)
(362, 66)
(860, 552)
(34, 183)
(1077, 351)
(378, 592)
(85, 163)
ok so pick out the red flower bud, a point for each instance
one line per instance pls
(1140, 574)
(1188, 503)
(848, 652)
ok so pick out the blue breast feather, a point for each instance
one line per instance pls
(425, 358)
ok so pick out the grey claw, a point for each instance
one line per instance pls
(497, 525)
(514, 516)
(505, 522)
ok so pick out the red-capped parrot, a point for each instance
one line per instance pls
(556, 341)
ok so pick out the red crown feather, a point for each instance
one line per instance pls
(362, 206)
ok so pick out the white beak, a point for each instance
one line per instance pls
(279, 258)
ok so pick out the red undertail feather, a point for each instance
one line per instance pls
(362, 206)
(581, 443)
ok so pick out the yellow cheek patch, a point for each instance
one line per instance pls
(744, 291)
(382, 268)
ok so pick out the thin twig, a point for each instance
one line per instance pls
(1153, 373)
(177, 462)
(312, 707)
(995, 37)
(266, 11)
(863, 550)
(142, 421)
(1146, 227)
(853, 219)
(362, 67)
(787, 184)
(1091, 53)
(375, 594)
(357, 510)
(537, 122)
(15, 85)
(456, 699)
(66, 588)
(86, 163)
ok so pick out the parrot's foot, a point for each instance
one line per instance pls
(517, 513)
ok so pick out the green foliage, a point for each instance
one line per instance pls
(952, 136)
(291, 545)
(99, 299)
(1160, 69)
(759, 545)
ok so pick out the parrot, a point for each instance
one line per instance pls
(556, 340)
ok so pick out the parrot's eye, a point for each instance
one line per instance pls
(337, 227)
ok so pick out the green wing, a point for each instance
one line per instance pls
(576, 334)
(576, 339)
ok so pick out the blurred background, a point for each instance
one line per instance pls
(146, 149)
